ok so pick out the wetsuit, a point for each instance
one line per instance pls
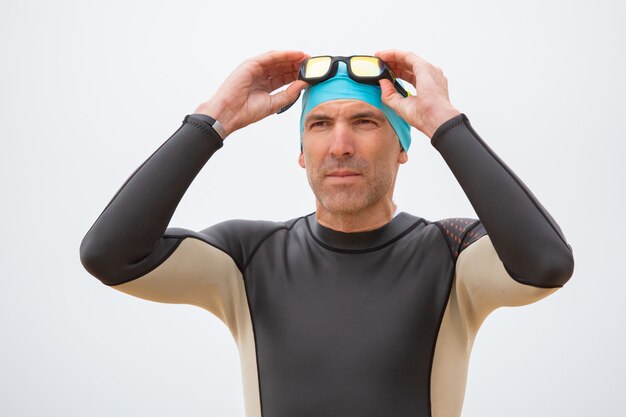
(332, 324)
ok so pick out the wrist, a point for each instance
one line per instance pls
(220, 114)
(437, 117)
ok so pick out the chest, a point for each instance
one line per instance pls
(347, 327)
(301, 293)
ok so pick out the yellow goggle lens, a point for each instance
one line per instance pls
(318, 66)
(365, 66)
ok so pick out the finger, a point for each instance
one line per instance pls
(272, 58)
(272, 63)
(283, 79)
(420, 66)
(281, 68)
(403, 64)
(405, 75)
(402, 58)
(398, 65)
(287, 96)
(390, 95)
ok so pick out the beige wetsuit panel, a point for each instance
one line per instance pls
(199, 274)
(481, 285)
(202, 275)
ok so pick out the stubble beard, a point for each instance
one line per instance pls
(346, 199)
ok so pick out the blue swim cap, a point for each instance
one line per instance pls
(341, 86)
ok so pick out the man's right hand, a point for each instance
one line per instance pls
(245, 97)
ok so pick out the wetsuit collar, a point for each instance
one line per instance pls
(368, 241)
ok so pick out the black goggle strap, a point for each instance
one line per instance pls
(394, 80)
(400, 88)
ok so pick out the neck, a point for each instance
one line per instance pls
(369, 218)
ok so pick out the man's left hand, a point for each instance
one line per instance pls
(430, 107)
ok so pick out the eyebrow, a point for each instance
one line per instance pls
(317, 117)
(367, 115)
(361, 115)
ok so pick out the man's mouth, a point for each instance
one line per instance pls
(343, 177)
(343, 173)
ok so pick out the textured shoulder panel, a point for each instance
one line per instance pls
(460, 232)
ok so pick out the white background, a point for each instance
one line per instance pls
(89, 89)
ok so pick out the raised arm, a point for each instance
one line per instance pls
(129, 240)
(527, 239)
(530, 246)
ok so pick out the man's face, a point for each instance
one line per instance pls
(351, 155)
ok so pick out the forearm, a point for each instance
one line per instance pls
(528, 241)
(127, 241)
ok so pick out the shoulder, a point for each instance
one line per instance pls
(460, 232)
(241, 238)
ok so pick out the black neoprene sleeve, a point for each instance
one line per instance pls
(127, 240)
(528, 241)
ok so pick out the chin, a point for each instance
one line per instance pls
(344, 203)
(349, 198)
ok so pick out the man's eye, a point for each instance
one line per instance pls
(364, 121)
(318, 123)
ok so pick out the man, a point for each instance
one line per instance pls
(356, 309)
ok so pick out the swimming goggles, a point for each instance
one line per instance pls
(364, 69)
(361, 68)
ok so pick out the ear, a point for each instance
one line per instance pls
(301, 160)
(403, 157)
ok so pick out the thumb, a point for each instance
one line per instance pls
(286, 98)
(390, 95)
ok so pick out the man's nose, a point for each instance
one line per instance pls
(343, 141)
